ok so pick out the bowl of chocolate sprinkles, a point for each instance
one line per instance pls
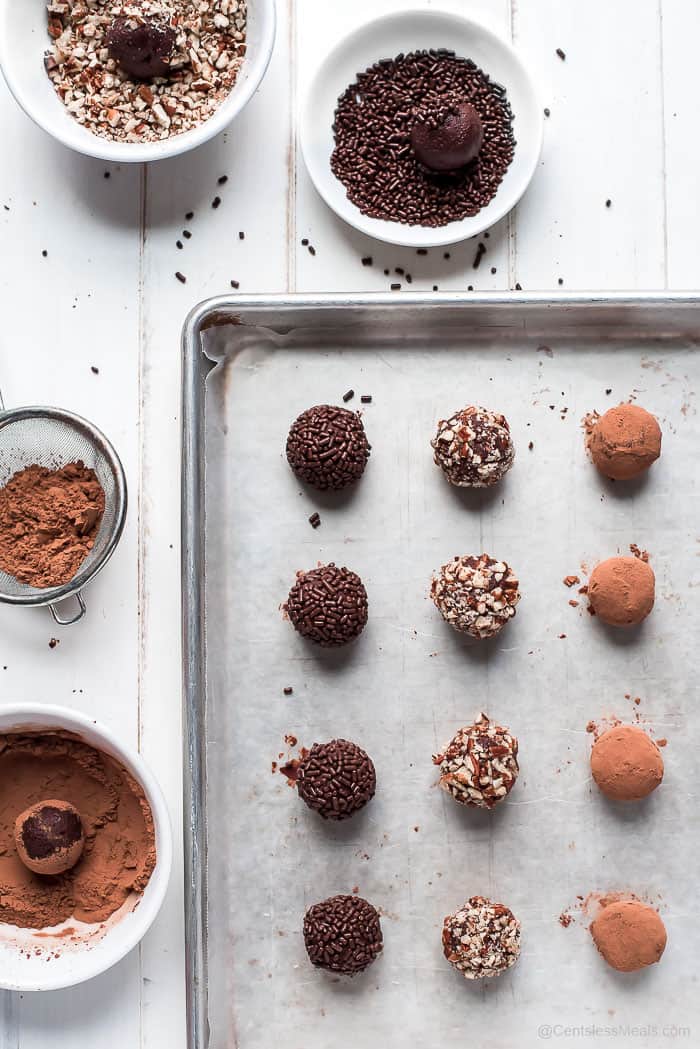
(421, 69)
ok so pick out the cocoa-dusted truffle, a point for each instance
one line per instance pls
(626, 763)
(474, 447)
(342, 934)
(141, 46)
(49, 837)
(625, 442)
(447, 137)
(328, 605)
(621, 590)
(481, 938)
(479, 766)
(327, 447)
(476, 595)
(336, 779)
(629, 935)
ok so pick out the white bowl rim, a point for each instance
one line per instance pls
(92, 145)
(396, 232)
(31, 717)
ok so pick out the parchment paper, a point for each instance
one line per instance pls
(405, 687)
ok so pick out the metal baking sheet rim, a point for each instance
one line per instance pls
(653, 314)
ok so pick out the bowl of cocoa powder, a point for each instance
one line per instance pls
(108, 891)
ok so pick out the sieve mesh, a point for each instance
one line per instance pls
(53, 439)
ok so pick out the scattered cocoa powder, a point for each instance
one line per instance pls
(49, 520)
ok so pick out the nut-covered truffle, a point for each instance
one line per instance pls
(629, 935)
(474, 447)
(447, 137)
(328, 605)
(481, 938)
(476, 595)
(336, 779)
(479, 766)
(327, 447)
(342, 934)
(141, 46)
(621, 590)
(626, 763)
(49, 837)
(625, 441)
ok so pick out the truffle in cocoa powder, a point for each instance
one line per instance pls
(629, 935)
(625, 441)
(626, 763)
(621, 590)
(49, 837)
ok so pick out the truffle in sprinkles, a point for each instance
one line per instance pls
(328, 605)
(479, 766)
(481, 938)
(342, 934)
(336, 779)
(474, 447)
(327, 447)
(476, 595)
(373, 157)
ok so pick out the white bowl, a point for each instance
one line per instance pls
(59, 962)
(24, 40)
(415, 30)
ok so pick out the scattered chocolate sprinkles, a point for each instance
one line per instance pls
(241, 235)
(235, 284)
(367, 260)
(348, 396)
(178, 244)
(288, 690)
(480, 252)
(186, 234)
(336, 779)
(327, 447)
(373, 157)
(189, 216)
(181, 277)
(342, 934)
(366, 398)
(222, 180)
(328, 605)
(562, 54)
(315, 520)
(215, 202)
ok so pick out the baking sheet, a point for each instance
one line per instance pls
(410, 682)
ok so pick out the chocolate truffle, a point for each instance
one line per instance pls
(327, 447)
(328, 605)
(626, 763)
(342, 934)
(448, 137)
(621, 590)
(629, 935)
(49, 837)
(479, 766)
(336, 779)
(481, 938)
(625, 442)
(141, 47)
(474, 447)
(476, 595)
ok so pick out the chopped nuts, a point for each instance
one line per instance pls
(479, 766)
(476, 595)
(481, 939)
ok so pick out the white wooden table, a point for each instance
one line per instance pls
(623, 127)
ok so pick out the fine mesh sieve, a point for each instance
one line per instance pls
(53, 438)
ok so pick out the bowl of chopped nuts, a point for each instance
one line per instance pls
(138, 80)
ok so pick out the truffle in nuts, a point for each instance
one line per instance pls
(625, 442)
(481, 938)
(328, 605)
(342, 934)
(629, 935)
(621, 590)
(142, 47)
(336, 779)
(474, 447)
(476, 595)
(49, 837)
(626, 763)
(479, 766)
(327, 447)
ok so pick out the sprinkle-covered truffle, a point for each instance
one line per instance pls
(621, 590)
(481, 938)
(342, 934)
(49, 837)
(447, 136)
(476, 595)
(626, 763)
(625, 441)
(479, 766)
(473, 447)
(327, 447)
(328, 605)
(629, 935)
(336, 779)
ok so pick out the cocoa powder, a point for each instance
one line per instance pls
(49, 520)
(119, 854)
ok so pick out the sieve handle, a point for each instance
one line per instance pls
(73, 619)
